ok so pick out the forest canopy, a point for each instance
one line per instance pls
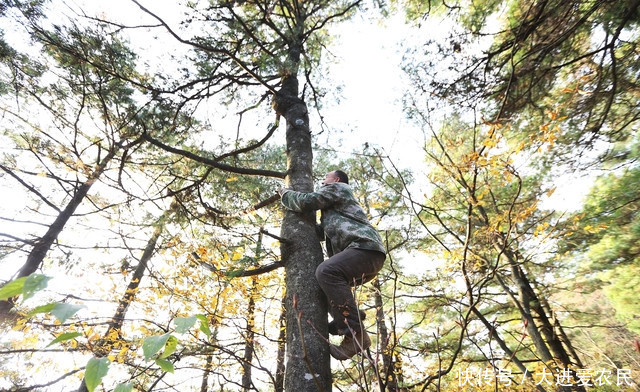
(494, 145)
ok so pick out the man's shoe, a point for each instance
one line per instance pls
(351, 345)
(333, 327)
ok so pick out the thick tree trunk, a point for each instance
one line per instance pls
(532, 305)
(547, 344)
(42, 246)
(308, 362)
(525, 302)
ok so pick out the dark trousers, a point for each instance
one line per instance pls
(339, 273)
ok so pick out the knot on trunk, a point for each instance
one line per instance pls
(282, 103)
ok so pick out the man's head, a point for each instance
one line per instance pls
(335, 176)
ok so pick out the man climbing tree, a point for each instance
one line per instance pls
(356, 255)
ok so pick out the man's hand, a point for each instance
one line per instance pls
(282, 191)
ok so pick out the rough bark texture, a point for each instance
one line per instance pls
(564, 339)
(308, 362)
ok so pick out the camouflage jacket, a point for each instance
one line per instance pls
(343, 220)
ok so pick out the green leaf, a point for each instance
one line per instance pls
(204, 324)
(43, 309)
(64, 337)
(165, 365)
(96, 370)
(124, 388)
(153, 344)
(64, 311)
(58, 309)
(170, 347)
(183, 324)
(13, 288)
(34, 283)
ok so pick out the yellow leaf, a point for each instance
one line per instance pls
(591, 229)
(232, 179)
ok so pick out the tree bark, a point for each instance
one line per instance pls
(532, 305)
(547, 344)
(308, 362)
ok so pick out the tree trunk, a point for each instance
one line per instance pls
(385, 346)
(533, 306)
(547, 344)
(249, 332)
(204, 386)
(104, 346)
(525, 302)
(308, 362)
(562, 335)
(249, 337)
(42, 246)
(280, 360)
(503, 345)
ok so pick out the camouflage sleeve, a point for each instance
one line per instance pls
(302, 201)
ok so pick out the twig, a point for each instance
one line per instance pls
(283, 240)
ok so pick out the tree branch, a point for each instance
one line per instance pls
(207, 48)
(213, 162)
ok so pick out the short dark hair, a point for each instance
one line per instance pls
(342, 176)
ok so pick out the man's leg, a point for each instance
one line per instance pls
(337, 274)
